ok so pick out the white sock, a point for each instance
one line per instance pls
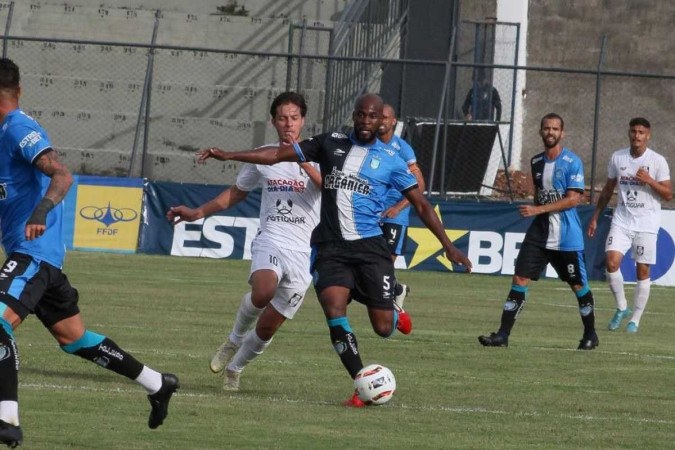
(251, 347)
(615, 280)
(247, 314)
(640, 299)
(150, 379)
(9, 412)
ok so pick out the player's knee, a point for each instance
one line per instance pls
(383, 328)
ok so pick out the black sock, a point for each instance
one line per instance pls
(9, 365)
(398, 289)
(345, 344)
(587, 310)
(109, 355)
(512, 307)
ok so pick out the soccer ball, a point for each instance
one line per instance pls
(375, 384)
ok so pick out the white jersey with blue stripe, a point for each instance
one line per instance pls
(407, 154)
(355, 181)
(22, 186)
(552, 179)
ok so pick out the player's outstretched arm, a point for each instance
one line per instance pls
(428, 216)
(226, 199)
(60, 181)
(264, 155)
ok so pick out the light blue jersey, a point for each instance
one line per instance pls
(552, 179)
(22, 186)
(407, 154)
(356, 179)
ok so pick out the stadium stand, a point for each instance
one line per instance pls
(89, 95)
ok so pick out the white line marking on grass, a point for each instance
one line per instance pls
(442, 408)
(604, 352)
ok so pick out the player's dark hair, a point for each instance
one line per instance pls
(552, 116)
(637, 121)
(9, 74)
(289, 97)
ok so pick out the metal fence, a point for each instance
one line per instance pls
(109, 114)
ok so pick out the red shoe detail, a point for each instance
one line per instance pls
(354, 402)
(404, 324)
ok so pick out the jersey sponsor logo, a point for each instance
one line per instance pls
(567, 159)
(338, 136)
(631, 197)
(31, 138)
(339, 152)
(285, 185)
(337, 179)
(3, 191)
(545, 196)
(579, 178)
(389, 152)
(284, 211)
(537, 159)
(629, 180)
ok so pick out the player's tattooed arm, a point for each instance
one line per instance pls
(60, 182)
(61, 178)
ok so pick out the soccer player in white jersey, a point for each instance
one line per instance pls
(643, 180)
(280, 253)
(555, 235)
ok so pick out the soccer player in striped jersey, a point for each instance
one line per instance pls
(33, 183)
(555, 235)
(351, 258)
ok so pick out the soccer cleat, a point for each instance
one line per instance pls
(231, 382)
(223, 355)
(10, 435)
(404, 324)
(619, 315)
(400, 298)
(159, 401)
(494, 340)
(589, 342)
(632, 327)
(354, 402)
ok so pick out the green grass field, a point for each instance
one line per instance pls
(171, 313)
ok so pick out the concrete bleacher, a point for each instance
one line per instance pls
(87, 95)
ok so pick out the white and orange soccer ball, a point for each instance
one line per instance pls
(375, 384)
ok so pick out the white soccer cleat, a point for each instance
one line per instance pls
(231, 382)
(223, 355)
(399, 299)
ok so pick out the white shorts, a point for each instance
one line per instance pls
(292, 269)
(643, 245)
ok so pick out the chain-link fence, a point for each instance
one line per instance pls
(143, 110)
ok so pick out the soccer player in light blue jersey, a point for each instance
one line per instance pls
(396, 215)
(33, 184)
(555, 235)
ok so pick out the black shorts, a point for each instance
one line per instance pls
(364, 266)
(31, 287)
(569, 265)
(395, 235)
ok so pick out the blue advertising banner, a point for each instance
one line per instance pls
(489, 233)
(227, 234)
